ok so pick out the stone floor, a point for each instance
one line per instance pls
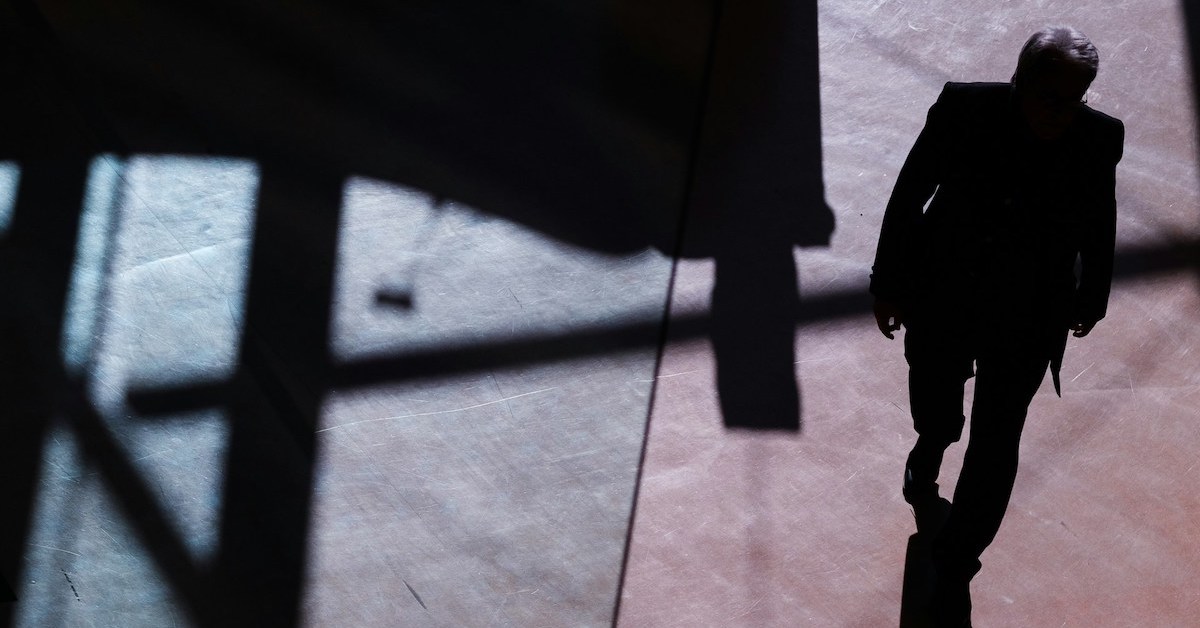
(349, 314)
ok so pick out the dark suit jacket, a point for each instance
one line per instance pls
(1009, 217)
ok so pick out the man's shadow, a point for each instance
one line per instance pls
(757, 192)
(916, 598)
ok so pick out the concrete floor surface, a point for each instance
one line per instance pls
(362, 315)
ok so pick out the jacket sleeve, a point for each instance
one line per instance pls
(1099, 242)
(891, 274)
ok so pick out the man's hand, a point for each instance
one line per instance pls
(889, 317)
(1081, 328)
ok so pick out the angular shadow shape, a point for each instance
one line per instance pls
(35, 269)
(757, 192)
(919, 574)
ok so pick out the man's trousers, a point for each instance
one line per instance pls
(1009, 365)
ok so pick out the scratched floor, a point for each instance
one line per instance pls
(749, 529)
(346, 341)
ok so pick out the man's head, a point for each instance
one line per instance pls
(1054, 70)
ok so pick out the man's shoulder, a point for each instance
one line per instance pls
(1103, 135)
(1101, 120)
(976, 92)
(978, 88)
(971, 100)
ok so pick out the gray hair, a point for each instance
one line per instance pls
(1053, 45)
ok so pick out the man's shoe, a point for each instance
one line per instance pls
(918, 493)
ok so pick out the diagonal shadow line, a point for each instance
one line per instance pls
(664, 327)
(138, 504)
(1131, 263)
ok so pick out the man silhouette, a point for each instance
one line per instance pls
(1019, 178)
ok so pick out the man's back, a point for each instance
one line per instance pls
(1010, 212)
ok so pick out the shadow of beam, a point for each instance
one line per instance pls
(141, 508)
(282, 377)
(1191, 18)
(1131, 263)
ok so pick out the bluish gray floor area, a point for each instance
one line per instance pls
(506, 489)
(348, 316)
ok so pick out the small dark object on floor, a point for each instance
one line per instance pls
(398, 298)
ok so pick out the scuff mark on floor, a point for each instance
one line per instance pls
(77, 598)
(451, 411)
(414, 594)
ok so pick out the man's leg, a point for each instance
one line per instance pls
(1004, 387)
(939, 366)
